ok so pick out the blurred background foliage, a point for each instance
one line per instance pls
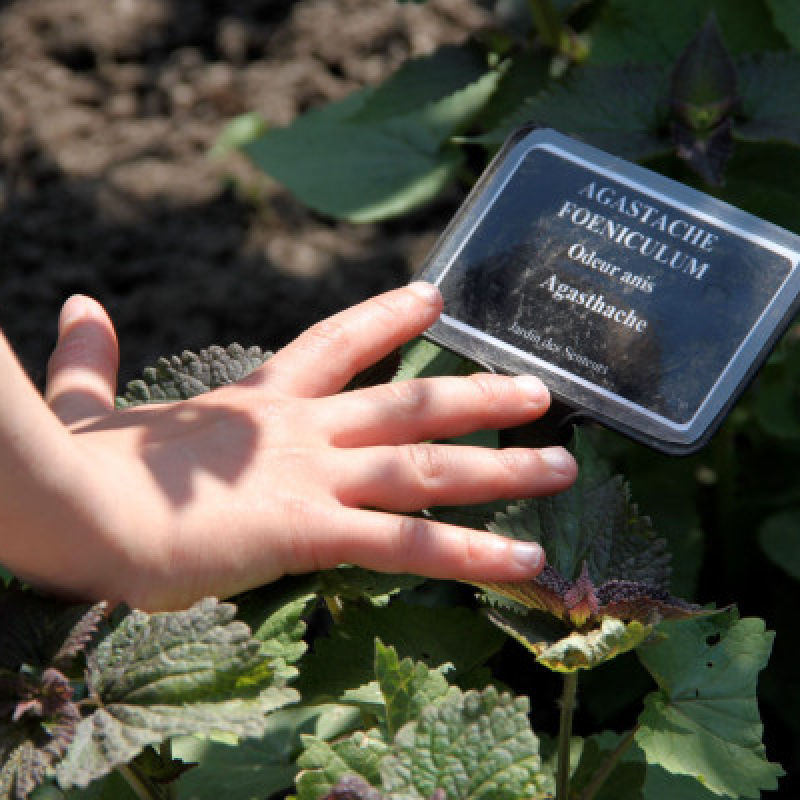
(704, 91)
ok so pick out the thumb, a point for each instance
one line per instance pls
(82, 371)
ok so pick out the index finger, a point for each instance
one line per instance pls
(324, 359)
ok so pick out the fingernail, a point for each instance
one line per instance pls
(75, 308)
(533, 388)
(527, 554)
(558, 460)
(425, 291)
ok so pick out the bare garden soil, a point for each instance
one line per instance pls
(108, 111)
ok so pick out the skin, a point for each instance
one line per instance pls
(280, 473)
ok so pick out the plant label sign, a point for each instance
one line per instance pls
(641, 303)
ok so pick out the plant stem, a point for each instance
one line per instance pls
(142, 787)
(547, 22)
(567, 704)
(600, 777)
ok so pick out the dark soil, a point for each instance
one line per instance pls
(108, 110)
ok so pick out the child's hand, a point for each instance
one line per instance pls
(161, 505)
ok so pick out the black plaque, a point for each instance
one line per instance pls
(641, 303)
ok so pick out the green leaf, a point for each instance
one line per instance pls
(561, 650)
(632, 778)
(621, 110)
(324, 765)
(35, 627)
(704, 720)
(370, 170)
(344, 659)
(407, 687)
(161, 675)
(527, 74)
(780, 540)
(786, 17)
(594, 522)
(357, 584)
(769, 99)
(764, 179)
(424, 359)
(423, 81)
(477, 745)
(632, 31)
(258, 768)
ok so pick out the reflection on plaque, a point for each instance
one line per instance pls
(640, 302)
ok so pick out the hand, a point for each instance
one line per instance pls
(279, 473)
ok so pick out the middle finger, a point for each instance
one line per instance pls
(430, 408)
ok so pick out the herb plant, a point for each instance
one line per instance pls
(621, 672)
(396, 697)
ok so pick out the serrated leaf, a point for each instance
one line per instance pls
(34, 627)
(422, 81)
(779, 536)
(349, 582)
(344, 659)
(258, 768)
(632, 31)
(477, 745)
(594, 522)
(407, 687)
(704, 720)
(769, 98)
(562, 650)
(621, 110)
(162, 675)
(365, 171)
(324, 765)
(275, 614)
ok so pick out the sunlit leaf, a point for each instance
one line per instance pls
(704, 721)
(422, 81)
(373, 169)
(161, 675)
(477, 745)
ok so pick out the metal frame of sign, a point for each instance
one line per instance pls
(580, 393)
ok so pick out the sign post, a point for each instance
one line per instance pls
(642, 304)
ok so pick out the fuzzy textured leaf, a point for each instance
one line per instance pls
(344, 659)
(34, 628)
(324, 765)
(593, 522)
(162, 675)
(407, 687)
(189, 374)
(476, 745)
(562, 650)
(704, 719)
